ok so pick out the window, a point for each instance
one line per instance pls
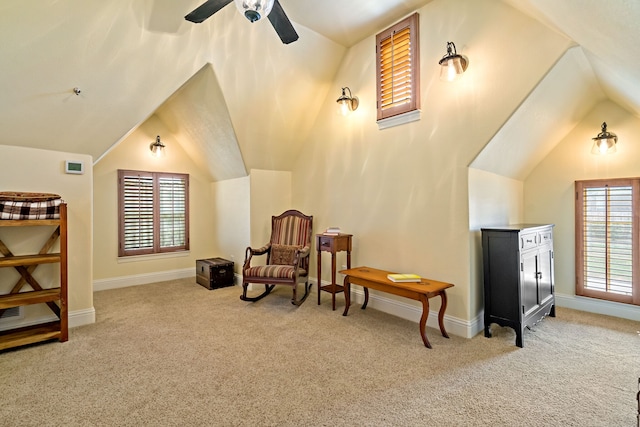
(398, 66)
(154, 212)
(607, 228)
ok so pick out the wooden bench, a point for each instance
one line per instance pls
(368, 277)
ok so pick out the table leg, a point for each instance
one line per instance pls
(443, 307)
(347, 295)
(423, 320)
(333, 280)
(319, 275)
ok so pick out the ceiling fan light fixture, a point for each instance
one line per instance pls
(254, 10)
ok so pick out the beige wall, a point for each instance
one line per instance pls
(270, 195)
(134, 153)
(402, 191)
(493, 200)
(231, 201)
(549, 189)
(34, 170)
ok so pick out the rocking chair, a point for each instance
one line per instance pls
(287, 253)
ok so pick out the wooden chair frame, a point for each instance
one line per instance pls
(300, 263)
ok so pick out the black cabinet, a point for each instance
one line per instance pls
(518, 276)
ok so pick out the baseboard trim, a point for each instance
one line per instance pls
(86, 316)
(598, 306)
(75, 318)
(141, 279)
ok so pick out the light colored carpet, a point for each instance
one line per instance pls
(177, 354)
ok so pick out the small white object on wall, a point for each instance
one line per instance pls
(76, 167)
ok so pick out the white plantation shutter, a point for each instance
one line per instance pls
(397, 66)
(607, 239)
(395, 69)
(172, 211)
(138, 212)
(153, 212)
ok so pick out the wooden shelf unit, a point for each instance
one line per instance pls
(25, 265)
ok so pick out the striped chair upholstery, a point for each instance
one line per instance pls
(287, 256)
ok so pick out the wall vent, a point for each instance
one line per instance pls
(11, 314)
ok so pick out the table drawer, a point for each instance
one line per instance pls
(326, 243)
(333, 243)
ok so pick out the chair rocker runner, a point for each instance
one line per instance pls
(287, 254)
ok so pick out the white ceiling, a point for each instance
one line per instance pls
(608, 31)
(348, 21)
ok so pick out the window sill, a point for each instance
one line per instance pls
(400, 119)
(165, 255)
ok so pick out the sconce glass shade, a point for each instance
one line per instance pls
(157, 147)
(452, 65)
(347, 103)
(605, 142)
(254, 10)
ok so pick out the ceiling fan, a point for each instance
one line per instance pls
(253, 10)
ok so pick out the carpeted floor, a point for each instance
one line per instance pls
(177, 354)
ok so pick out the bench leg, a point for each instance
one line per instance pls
(366, 297)
(443, 307)
(347, 295)
(423, 320)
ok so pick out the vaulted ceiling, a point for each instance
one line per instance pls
(600, 66)
(234, 96)
(608, 32)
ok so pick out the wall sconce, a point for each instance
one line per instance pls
(453, 65)
(605, 142)
(157, 147)
(347, 103)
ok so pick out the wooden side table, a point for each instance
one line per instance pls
(333, 244)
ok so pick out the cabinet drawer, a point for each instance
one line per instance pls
(545, 237)
(528, 241)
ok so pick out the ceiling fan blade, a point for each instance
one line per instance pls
(281, 24)
(205, 10)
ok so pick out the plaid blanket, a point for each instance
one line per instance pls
(49, 209)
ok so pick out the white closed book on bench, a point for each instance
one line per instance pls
(403, 277)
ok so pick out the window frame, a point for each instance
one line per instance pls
(384, 112)
(155, 199)
(580, 257)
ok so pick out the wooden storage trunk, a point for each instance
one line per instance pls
(213, 273)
